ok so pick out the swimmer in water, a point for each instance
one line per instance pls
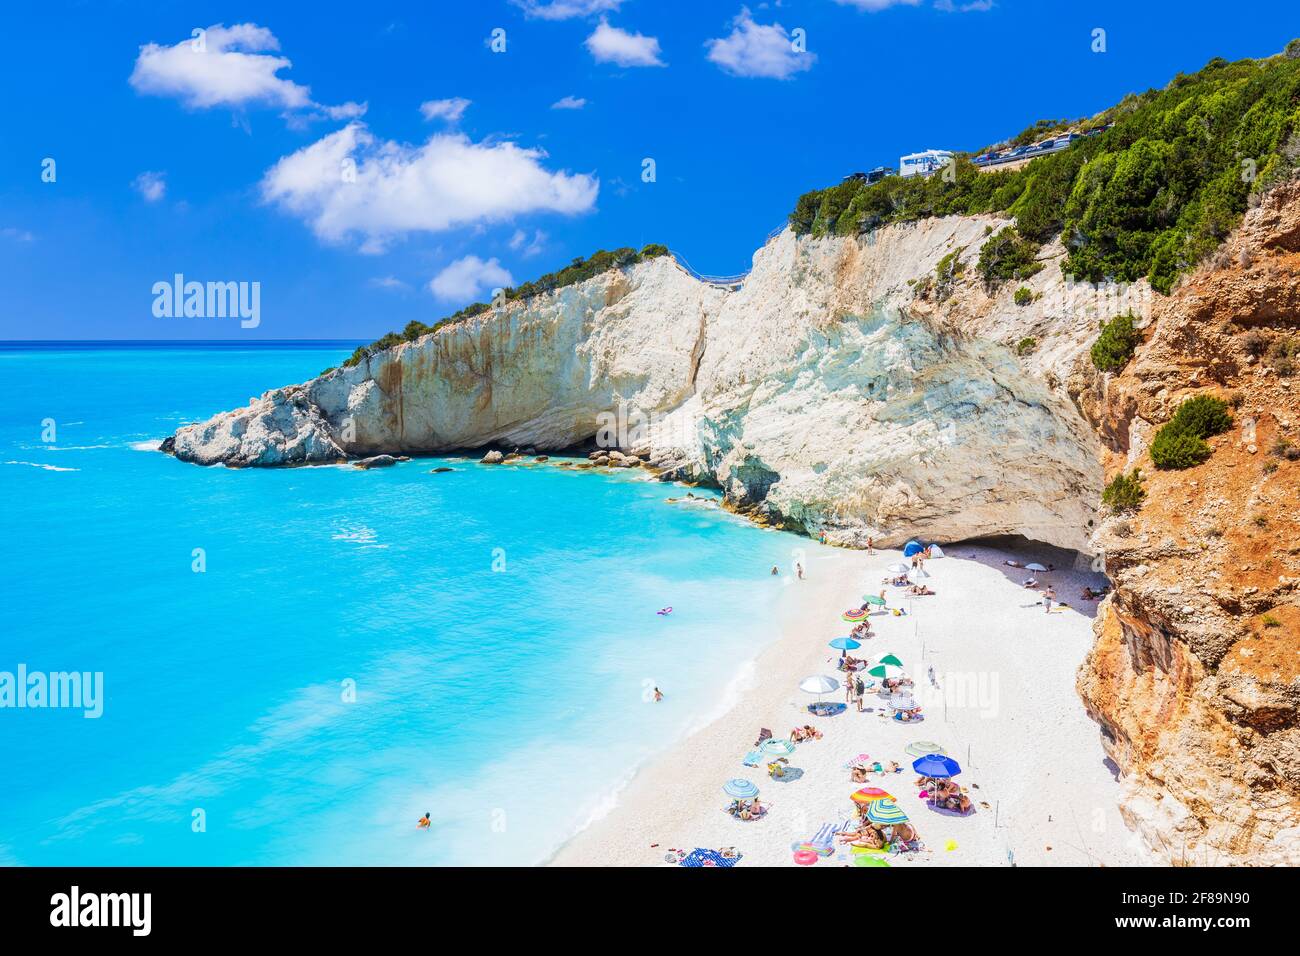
(659, 695)
(424, 821)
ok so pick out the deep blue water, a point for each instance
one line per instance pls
(498, 625)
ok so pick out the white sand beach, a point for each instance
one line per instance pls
(1002, 703)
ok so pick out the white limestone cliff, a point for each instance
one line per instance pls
(824, 393)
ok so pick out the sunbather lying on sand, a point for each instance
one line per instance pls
(1014, 564)
(919, 589)
(866, 835)
(806, 732)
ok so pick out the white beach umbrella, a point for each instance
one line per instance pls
(818, 684)
(1034, 566)
(899, 568)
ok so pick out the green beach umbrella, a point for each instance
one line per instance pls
(886, 668)
(774, 747)
(875, 599)
(868, 859)
(885, 812)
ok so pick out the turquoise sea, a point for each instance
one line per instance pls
(361, 647)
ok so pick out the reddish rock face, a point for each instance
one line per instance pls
(1195, 676)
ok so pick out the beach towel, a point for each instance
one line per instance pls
(702, 856)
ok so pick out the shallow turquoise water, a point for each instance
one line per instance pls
(498, 624)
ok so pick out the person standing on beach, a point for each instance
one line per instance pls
(870, 550)
(859, 689)
(1049, 596)
(798, 569)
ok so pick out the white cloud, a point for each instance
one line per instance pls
(464, 279)
(351, 184)
(228, 67)
(152, 186)
(17, 235)
(974, 6)
(450, 110)
(520, 242)
(753, 49)
(875, 5)
(391, 283)
(612, 45)
(569, 103)
(565, 9)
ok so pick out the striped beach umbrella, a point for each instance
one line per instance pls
(884, 811)
(868, 794)
(902, 702)
(740, 788)
(886, 668)
(777, 747)
(854, 616)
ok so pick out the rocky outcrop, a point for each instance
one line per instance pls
(1195, 676)
(826, 394)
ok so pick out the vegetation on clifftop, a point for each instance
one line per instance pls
(577, 271)
(1149, 197)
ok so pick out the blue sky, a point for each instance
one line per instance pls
(224, 165)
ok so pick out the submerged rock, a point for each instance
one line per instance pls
(440, 470)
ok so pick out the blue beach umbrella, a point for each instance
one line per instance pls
(845, 644)
(740, 788)
(911, 548)
(936, 766)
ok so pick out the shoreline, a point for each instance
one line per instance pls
(1031, 757)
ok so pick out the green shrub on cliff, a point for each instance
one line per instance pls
(1150, 197)
(579, 270)
(1124, 492)
(1115, 346)
(1007, 255)
(1180, 442)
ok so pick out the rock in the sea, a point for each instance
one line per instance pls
(492, 458)
(542, 458)
(440, 470)
(379, 461)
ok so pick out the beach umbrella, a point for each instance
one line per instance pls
(911, 548)
(884, 811)
(936, 766)
(818, 684)
(886, 668)
(919, 748)
(775, 747)
(899, 568)
(875, 599)
(1035, 566)
(845, 644)
(854, 616)
(936, 551)
(870, 859)
(867, 794)
(740, 788)
(902, 702)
